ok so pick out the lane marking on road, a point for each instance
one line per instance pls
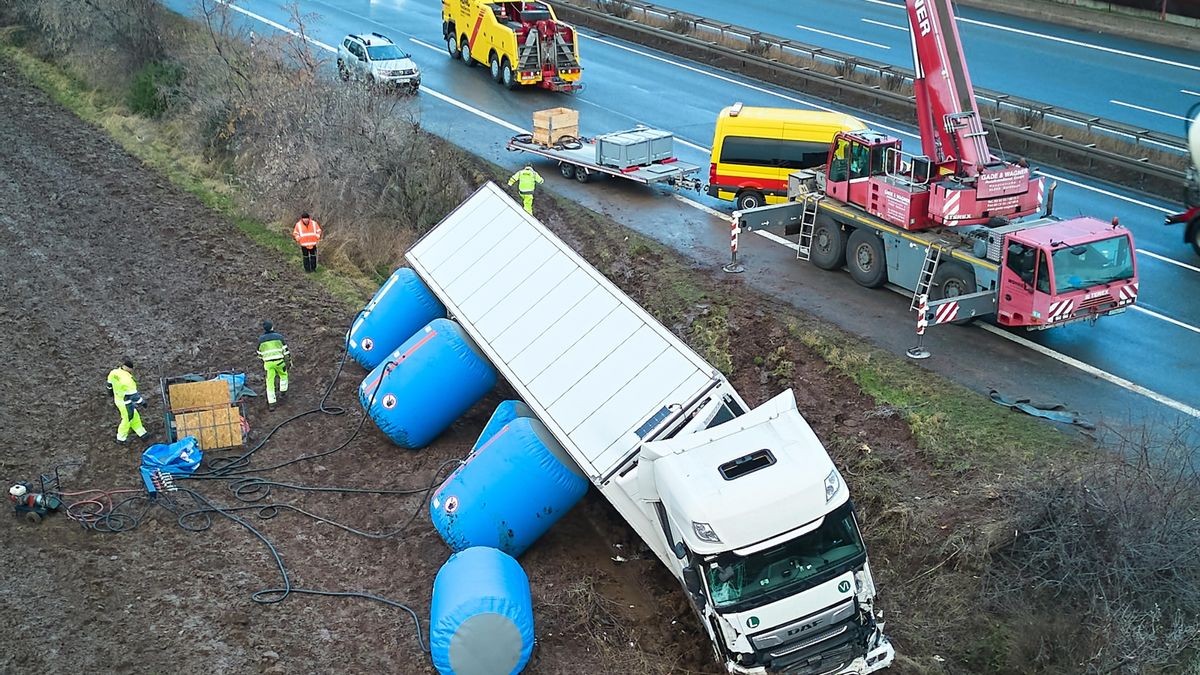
(1055, 38)
(277, 26)
(1168, 260)
(1163, 317)
(1189, 92)
(875, 125)
(1092, 370)
(426, 45)
(1145, 109)
(1106, 193)
(893, 26)
(842, 37)
(1080, 365)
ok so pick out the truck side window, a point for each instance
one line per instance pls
(838, 168)
(1021, 260)
(1043, 274)
(859, 165)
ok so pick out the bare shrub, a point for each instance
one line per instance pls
(1117, 546)
(117, 36)
(299, 140)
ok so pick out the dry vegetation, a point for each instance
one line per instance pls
(1065, 566)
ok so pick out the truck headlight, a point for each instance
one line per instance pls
(705, 532)
(833, 483)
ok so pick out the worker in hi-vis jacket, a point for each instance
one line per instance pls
(525, 179)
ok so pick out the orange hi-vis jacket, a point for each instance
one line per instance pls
(307, 235)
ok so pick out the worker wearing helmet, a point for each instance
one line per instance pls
(127, 399)
(273, 350)
(525, 179)
(307, 233)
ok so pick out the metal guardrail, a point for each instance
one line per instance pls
(710, 41)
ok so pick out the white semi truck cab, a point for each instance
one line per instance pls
(745, 507)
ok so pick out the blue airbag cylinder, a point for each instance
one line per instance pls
(509, 491)
(481, 619)
(506, 412)
(398, 309)
(426, 383)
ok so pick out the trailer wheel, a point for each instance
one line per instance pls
(865, 259)
(1193, 234)
(828, 250)
(452, 47)
(749, 199)
(951, 280)
(494, 66)
(582, 174)
(465, 50)
(507, 78)
(567, 170)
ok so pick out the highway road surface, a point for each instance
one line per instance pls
(1140, 366)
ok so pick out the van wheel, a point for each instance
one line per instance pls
(749, 199)
(452, 47)
(828, 250)
(507, 77)
(864, 258)
(951, 280)
(494, 66)
(465, 47)
(567, 170)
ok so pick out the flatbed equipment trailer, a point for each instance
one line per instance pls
(577, 159)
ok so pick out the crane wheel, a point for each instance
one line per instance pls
(951, 280)
(828, 244)
(865, 258)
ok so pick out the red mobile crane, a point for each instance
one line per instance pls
(952, 223)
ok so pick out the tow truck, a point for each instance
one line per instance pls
(952, 225)
(522, 43)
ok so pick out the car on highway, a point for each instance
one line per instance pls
(375, 59)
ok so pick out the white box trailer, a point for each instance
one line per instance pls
(745, 507)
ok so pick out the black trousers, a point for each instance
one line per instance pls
(310, 258)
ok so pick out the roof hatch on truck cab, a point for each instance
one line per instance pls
(759, 459)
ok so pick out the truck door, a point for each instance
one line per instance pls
(1024, 284)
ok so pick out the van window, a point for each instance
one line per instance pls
(774, 153)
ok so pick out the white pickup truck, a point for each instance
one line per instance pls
(745, 507)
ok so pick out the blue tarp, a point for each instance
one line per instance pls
(180, 458)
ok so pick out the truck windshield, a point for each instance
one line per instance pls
(386, 53)
(803, 562)
(1092, 264)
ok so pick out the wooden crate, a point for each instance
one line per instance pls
(554, 123)
(215, 429)
(191, 395)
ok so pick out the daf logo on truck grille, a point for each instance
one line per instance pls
(844, 587)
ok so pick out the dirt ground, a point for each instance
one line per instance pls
(104, 259)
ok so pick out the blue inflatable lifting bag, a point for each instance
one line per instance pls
(401, 306)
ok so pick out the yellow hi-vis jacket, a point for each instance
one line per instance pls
(122, 383)
(525, 179)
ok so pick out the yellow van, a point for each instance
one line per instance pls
(754, 150)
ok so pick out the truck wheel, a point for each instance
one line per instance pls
(951, 280)
(465, 48)
(452, 47)
(507, 78)
(864, 258)
(1193, 232)
(494, 66)
(582, 175)
(749, 199)
(567, 170)
(828, 250)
